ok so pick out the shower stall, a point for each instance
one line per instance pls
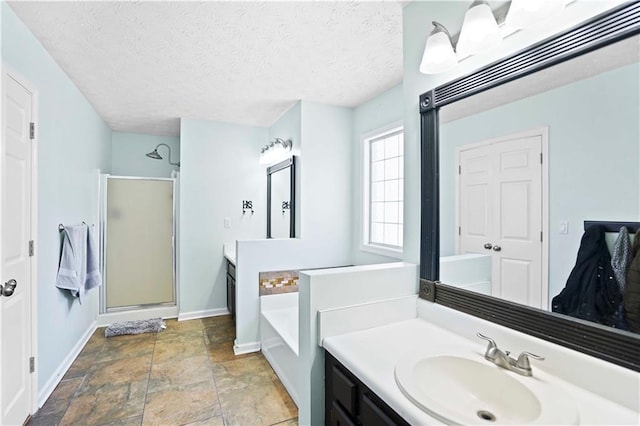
(137, 233)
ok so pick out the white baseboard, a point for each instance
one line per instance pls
(245, 348)
(183, 316)
(137, 314)
(55, 378)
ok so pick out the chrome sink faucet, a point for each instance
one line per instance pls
(520, 365)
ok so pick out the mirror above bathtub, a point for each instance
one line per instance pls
(523, 156)
(281, 211)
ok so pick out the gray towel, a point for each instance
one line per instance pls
(72, 269)
(79, 269)
(621, 258)
(93, 279)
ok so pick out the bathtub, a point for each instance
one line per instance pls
(279, 338)
(467, 271)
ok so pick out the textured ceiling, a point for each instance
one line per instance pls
(143, 65)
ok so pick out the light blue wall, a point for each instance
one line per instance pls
(325, 180)
(593, 157)
(73, 142)
(220, 168)
(128, 155)
(381, 111)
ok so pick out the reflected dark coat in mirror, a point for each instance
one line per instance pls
(632, 290)
(592, 292)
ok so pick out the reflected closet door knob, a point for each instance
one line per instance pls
(488, 246)
(8, 288)
(497, 248)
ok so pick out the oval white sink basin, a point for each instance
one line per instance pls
(458, 390)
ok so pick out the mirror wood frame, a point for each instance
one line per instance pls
(289, 162)
(612, 345)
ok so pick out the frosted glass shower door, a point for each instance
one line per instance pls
(139, 243)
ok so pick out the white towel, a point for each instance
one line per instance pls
(79, 269)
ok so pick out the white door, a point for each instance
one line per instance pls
(15, 309)
(500, 190)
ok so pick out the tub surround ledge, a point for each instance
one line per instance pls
(373, 353)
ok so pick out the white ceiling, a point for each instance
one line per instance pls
(143, 65)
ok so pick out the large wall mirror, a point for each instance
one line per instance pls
(281, 189)
(520, 159)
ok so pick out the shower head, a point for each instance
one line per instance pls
(154, 154)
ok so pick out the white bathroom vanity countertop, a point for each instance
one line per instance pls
(372, 355)
(229, 252)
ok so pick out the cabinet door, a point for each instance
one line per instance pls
(339, 417)
(372, 414)
(230, 295)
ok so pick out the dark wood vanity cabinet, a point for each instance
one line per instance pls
(349, 402)
(231, 289)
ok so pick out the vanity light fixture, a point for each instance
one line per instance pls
(275, 151)
(479, 31)
(483, 29)
(439, 54)
(524, 13)
(154, 154)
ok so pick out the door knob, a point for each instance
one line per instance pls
(8, 288)
(488, 246)
(497, 248)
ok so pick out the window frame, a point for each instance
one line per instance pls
(365, 205)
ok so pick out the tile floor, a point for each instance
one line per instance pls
(184, 375)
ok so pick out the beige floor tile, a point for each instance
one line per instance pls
(118, 347)
(170, 374)
(179, 376)
(182, 404)
(47, 420)
(223, 352)
(102, 377)
(180, 334)
(265, 403)
(80, 366)
(177, 349)
(95, 342)
(111, 403)
(290, 422)
(212, 421)
(129, 421)
(184, 329)
(59, 399)
(219, 321)
(219, 334)
(242, 372)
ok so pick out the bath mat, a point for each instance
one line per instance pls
(153, 325)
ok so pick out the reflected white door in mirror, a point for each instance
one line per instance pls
(500, 200)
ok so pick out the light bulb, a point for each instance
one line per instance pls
(479, 30)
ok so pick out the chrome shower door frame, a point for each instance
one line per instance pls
(104, 178)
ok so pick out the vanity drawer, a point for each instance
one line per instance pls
(345, 390)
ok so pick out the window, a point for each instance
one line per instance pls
(383, 191)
